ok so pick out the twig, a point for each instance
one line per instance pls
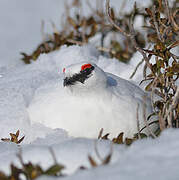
(106, 50)
(106, 159)
(173, 21)
(156, 24)
(19, 155)
(145, 120)
(154, 83)
(138, 125)
(130, 35)
(153, 122)
(173, 105)
(167, 10)
(123, 4)
(54, 27)
(108, 13)
(42, 30)
(53, 155)
(135, 70)
(75, 42)
(97, 152)
(100, 133)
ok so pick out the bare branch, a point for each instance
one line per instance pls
(53, 155)
(75, 42)
(167, 10)
(97, 152)
(173, 105)
(130, 35)
(135, 70)
(42, 31)
(145, 120)
(137, 117)
(100, 133)
(108, 13)
(156, 24)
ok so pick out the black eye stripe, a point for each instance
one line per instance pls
(80, 77)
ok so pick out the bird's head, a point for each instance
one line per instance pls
(84, 76)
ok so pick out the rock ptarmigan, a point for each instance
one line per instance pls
(88, 99)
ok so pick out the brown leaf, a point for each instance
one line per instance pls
(20, 140)
(160, 4)
(107, 159)
(5, 139)
(105, 137)
(13, 138)
(149, 12)
(92, 161)
(17, 133)
(112, 14)
(128, 141)
(149, 86)
(175, 67)
(119, 139)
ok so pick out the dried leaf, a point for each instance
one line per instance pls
(160, 5)
(175, 67)
(14, 138)
(149, 86)
(53, 170)
(128, 141)
(17, 133)
(20, 140)
(92, 161)
(149, 12)
(107, 159)
(105, 137)
(6, 140)
(119, 139)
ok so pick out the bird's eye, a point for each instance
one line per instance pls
(85, 66)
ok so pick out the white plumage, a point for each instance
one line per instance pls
(88, 99)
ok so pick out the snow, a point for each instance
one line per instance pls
(145, 159)
(20, 26)
(148, 158)
(18, 86)
(99, 102)
(19, 83)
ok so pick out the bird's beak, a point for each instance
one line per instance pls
(67, 82)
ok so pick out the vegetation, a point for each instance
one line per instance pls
(161, 25)
(162, 75)
(30, 171)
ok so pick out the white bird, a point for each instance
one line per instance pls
(89, 99)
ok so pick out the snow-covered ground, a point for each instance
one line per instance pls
(149, 159)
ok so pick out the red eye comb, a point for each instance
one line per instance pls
(85, 66)
(63, 70)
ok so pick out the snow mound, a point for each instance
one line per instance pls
(145, 159)
(71, 153)
(83, 108)
(19, 85)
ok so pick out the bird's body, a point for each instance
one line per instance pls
(90, 100)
